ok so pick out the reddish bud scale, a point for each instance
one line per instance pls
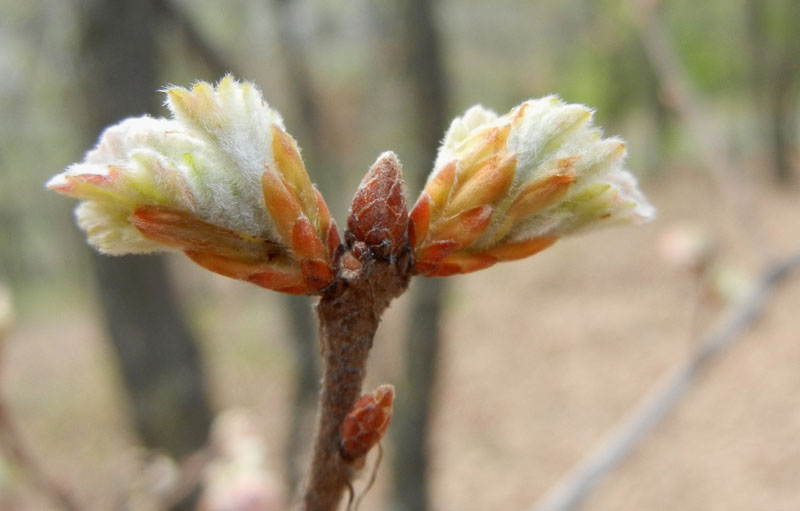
(465, 262)
(419, 220)
(379, 213)
(366, 423)
(234, 254)
(334, 242)
(181, 229)
(285, 277)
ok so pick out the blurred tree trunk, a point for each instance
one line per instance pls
(635, 85)
(174, 18)
(632, 83)
(775, 75)
(159, 359)
(784, 116)
(784, 94)
(415, 397)
(756, 25)
(12, 268)
(308, 110)
(306, 119)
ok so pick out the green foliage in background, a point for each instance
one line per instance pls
(496, 53)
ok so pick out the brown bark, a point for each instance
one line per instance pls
(348, 321)
(374, 269)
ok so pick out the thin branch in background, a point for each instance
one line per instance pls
(579, 483)
(373, 475)
(189, 479)
(715, 153)
(198, 43)
(681, 97)
(305, 98)
(14, 448)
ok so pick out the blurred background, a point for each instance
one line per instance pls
(114, 369)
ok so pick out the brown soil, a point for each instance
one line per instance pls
(541, 358)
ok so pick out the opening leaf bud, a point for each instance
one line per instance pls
(221, 181)
(506, 187)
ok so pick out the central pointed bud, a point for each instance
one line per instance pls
(379, 214)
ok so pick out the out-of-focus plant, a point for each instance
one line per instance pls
(238, 478)
(719, 279)
(6, 312)
(224, 182)
(12, 446)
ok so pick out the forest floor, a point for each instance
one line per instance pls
(540, 359)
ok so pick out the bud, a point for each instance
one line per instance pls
(379, 214)
(504, 188)
(366, 423)
(221, 181)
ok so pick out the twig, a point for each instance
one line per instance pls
(374, 269)
(14, 447)
(190, 477)
(577, 485)
(348, 321)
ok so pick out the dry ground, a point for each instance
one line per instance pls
(541, 358)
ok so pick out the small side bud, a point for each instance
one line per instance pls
(366, 423)
(379, 213)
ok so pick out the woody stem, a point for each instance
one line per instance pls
(349, 314)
